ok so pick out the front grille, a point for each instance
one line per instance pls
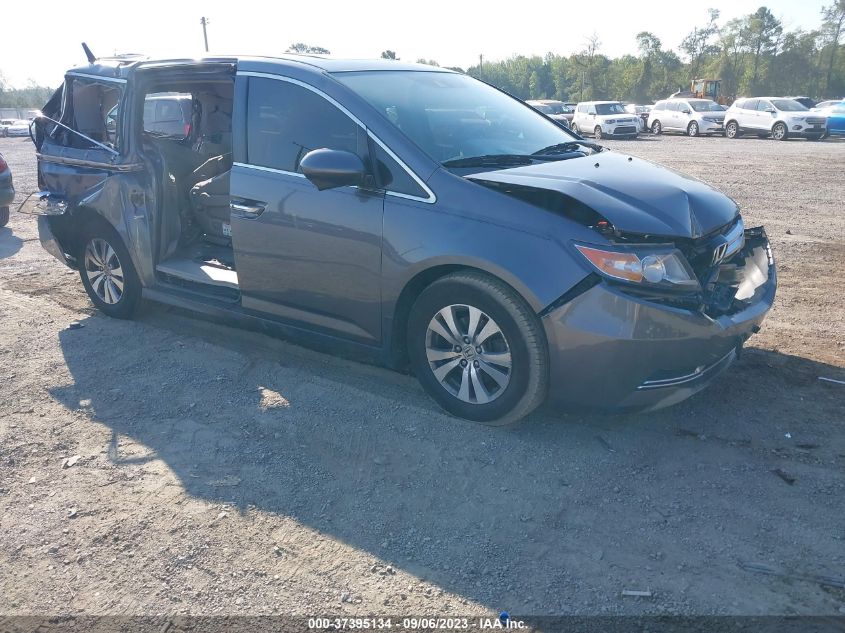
(625, 129)
(815, 120)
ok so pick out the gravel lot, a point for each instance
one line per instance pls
(224, 471)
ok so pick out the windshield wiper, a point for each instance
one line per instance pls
(568, 146)
(490, 160)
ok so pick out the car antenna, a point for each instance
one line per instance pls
(88, 53)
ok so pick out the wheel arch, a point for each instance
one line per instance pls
(421, 279)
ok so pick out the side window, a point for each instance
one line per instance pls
(750, 104)
(286, 121)
(660, 106)
(90, 108)
(762, 105)
(591, 110)
(672, 106)
(392, 176)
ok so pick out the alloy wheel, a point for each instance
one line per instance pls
(598, 132)
(693, 129)
(468, 354)
(656, 128)
(779, 131)
(731, 130)
(104, 271)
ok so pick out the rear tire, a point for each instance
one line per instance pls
(107, 272)
(574, 128)
(779, 132)
(732, 130)
(656, 128)
(4, 216)
(478, 349)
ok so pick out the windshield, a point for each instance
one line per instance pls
(452, 116)
(557, 108)
(610, 108)
(788, 105)
(705, 106)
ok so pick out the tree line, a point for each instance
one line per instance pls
(753, 55)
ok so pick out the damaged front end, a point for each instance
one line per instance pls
(731, 267)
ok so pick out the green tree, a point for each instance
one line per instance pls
(833, 21)
(699, 43)
(388, 54)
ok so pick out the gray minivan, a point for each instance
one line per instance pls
(406, 214)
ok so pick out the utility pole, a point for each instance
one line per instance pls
(204, 21)
(480, 61)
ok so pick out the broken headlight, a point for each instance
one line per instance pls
(650, 266)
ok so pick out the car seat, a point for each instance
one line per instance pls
(210, 198)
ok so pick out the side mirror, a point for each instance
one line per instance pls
(332, 168)
(772, 110)
(685, 111)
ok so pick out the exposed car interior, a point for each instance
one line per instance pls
(186, 132)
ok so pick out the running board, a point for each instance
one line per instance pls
(193, 271)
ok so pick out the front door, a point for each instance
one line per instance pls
(306, 256)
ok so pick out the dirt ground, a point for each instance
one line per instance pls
(221, 471)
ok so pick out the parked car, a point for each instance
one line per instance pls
(640, 111)
(409, 214)
(168, 114)
(775, 116)
(556, 110)
(826, 104)
(4, 126)
(834, 112)
(17, 127)
(693, 117)
(7, 191)
(604, 118)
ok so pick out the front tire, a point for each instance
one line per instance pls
(656, 128)
(574, 128)
(692, 129)
(478, 349)
(597, 133)
(779, 132)
(4, 216)
(107, 272)
(732, 130)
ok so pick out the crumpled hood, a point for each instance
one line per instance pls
(635, 195)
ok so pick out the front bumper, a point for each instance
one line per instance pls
(711, 127)
(612, 350)
(799, 128)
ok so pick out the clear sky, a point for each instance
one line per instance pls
(42, 44)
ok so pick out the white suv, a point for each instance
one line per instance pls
(777, 116)
(690, 116)
(604, 118)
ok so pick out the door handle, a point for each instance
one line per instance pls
(248, 211)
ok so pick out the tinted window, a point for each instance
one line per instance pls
(168, 111)
(286, 121)
(789, 105)
(393, 177)
(610, 108)
(705, 106)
